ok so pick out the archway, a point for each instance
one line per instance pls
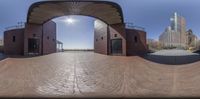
(110, 23)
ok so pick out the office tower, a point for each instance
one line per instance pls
(175, 34)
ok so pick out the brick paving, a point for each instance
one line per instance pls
(87, 74)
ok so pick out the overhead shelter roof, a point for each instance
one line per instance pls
(41, 12)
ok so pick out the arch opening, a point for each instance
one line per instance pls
(76, 32)
(108, 14)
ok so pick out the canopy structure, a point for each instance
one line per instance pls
(41, 12)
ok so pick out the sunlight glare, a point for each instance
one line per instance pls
(70, 21)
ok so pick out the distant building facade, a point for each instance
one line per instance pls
(175, 34)
(191, 39)
(153, 44)
(1, 42)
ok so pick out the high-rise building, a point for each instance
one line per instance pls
(175, 34)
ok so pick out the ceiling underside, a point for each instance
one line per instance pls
(42, 12)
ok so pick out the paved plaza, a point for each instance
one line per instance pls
(87, 74)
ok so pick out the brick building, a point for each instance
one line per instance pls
(111, 37)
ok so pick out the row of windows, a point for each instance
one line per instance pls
(135, 38)
(115, 35)
(34, 35)
(49, 38)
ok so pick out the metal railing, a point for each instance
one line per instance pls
(19, 25)
(132, 26)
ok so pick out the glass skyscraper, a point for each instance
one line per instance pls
(175, 34)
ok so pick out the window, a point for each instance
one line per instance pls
(115, 35)
(53, 39)
(102, 38)
(96, 40)
(34, 35)
(136, 39)
(14, 39)
(48, 37)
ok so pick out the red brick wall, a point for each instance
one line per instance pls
(134, 48)
(100, 37)
(46, 34)
(103, 46)
(49, 37)
(14, 48)
(118, 29)
(30, 30)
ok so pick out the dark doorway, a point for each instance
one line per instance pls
(116, 47)
(33, 46)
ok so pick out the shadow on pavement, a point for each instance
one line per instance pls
(173, 60)
(2, 56)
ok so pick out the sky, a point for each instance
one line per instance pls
(153, 15)
(78, 33)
